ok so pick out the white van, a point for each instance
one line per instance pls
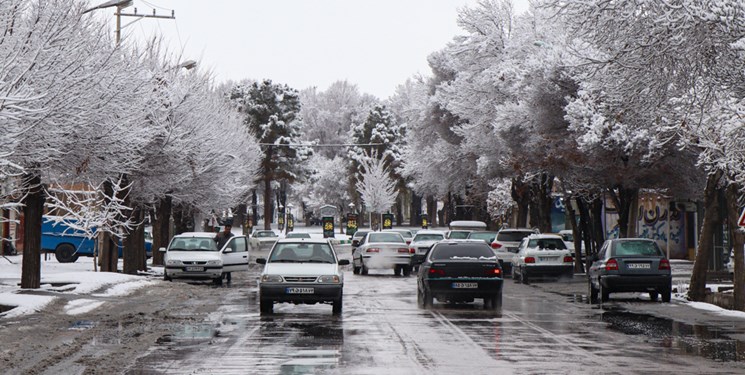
(460, 229)
(195, 255)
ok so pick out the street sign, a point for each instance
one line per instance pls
(351, 224)
(328, 226)
(741, 222)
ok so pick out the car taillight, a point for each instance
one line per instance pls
(403, 249)
(412, 250)
(436, 272)
(493, 272)
(568, 259)
(664, 264)
(611, 265)
(529, 260)
(373, 250)
(495, 245)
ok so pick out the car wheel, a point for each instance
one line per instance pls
(515, 277)
(407, 270)
(363, 269)
(653, 296)
(524, 277)
(218, 280)
(419, 298)
(355, 270)
(166, 277)
(592, 292)
(604, 292)
(427, 299)
(397, 270)
(666, 294)
(336, 309)
(266, 306)
(493, 303)
(65, 253)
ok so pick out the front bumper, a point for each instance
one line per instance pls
(278, 292)
(636, 283)
(180, 272)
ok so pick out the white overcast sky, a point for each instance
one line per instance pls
(375, 44)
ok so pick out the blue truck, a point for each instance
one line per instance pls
(68, 244)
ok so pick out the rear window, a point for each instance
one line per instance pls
(513, 236)
(462, 251)
(644, 248)
(547, 243)
(459, 235)
(486, 236)
(385, 237)
(429, 237)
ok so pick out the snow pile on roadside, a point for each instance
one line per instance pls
(718, 310)
(26, 304)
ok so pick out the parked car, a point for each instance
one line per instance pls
(382, 250)
(541, 255)
(460, 272)
(297, 235)
(195, 255)
(405, 233)
(485, 236)
(629, 265)
(262, 239)
(568, 236)
(423, 241)
(358, 236)
(506, 243)
(301, 271)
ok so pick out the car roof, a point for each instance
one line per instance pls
(431, 231)
(517, 230)
(304, 240)
(545, 235)
(467, 223)
(197, 234)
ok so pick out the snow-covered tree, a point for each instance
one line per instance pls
(375, 186)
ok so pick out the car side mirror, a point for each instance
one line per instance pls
(355, 243)
(343, 262)
(260, 260)
(228, 250)
(162, 249)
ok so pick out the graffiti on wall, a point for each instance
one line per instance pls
(652, 222)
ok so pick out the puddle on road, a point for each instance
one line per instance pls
(709, 342)
(190, 332)
(82, 325)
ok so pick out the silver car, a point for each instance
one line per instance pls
(382, 250)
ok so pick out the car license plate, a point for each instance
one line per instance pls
(300, 290)
(638, 266)
(465, 285)
(195, 269)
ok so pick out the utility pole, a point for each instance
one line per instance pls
(121, 4)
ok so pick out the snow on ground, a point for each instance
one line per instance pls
(64, 278)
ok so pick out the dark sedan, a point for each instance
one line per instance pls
(629, 265)
(460, 271)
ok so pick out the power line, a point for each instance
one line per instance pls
(323, 145)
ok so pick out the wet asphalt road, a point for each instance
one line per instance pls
(546, 327)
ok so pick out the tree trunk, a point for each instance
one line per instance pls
(254, 209)
(33, 210)
(161, 229)
(415, 209)
(576, 236)
(585, 222)
(623, 200)
(108, 248)
(267, 202)
(541, 202)
(239, 217)
(521, 196)
(183, 219)
(399, 210)
(697, 289)
(738, 240)
(596, 220)
(432, 211)
(134, 245)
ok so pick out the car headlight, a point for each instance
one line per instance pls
(333, 279)
(271, 279)
(173, 262)
(215, 262)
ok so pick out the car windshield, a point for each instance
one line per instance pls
(404, 233)
(448, 251)
(265, 234)
(428, 237)
(486, 236)
(636, 248)
(515, 236)
(193, 244)
(547, 243)
(302, 253)
(297, 235)
(458, 235)
(360, 234)
(385, 237)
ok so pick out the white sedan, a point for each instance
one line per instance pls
(542, 255)
(382, 250)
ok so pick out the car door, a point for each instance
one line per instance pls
(237, 258)
(594, 271)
